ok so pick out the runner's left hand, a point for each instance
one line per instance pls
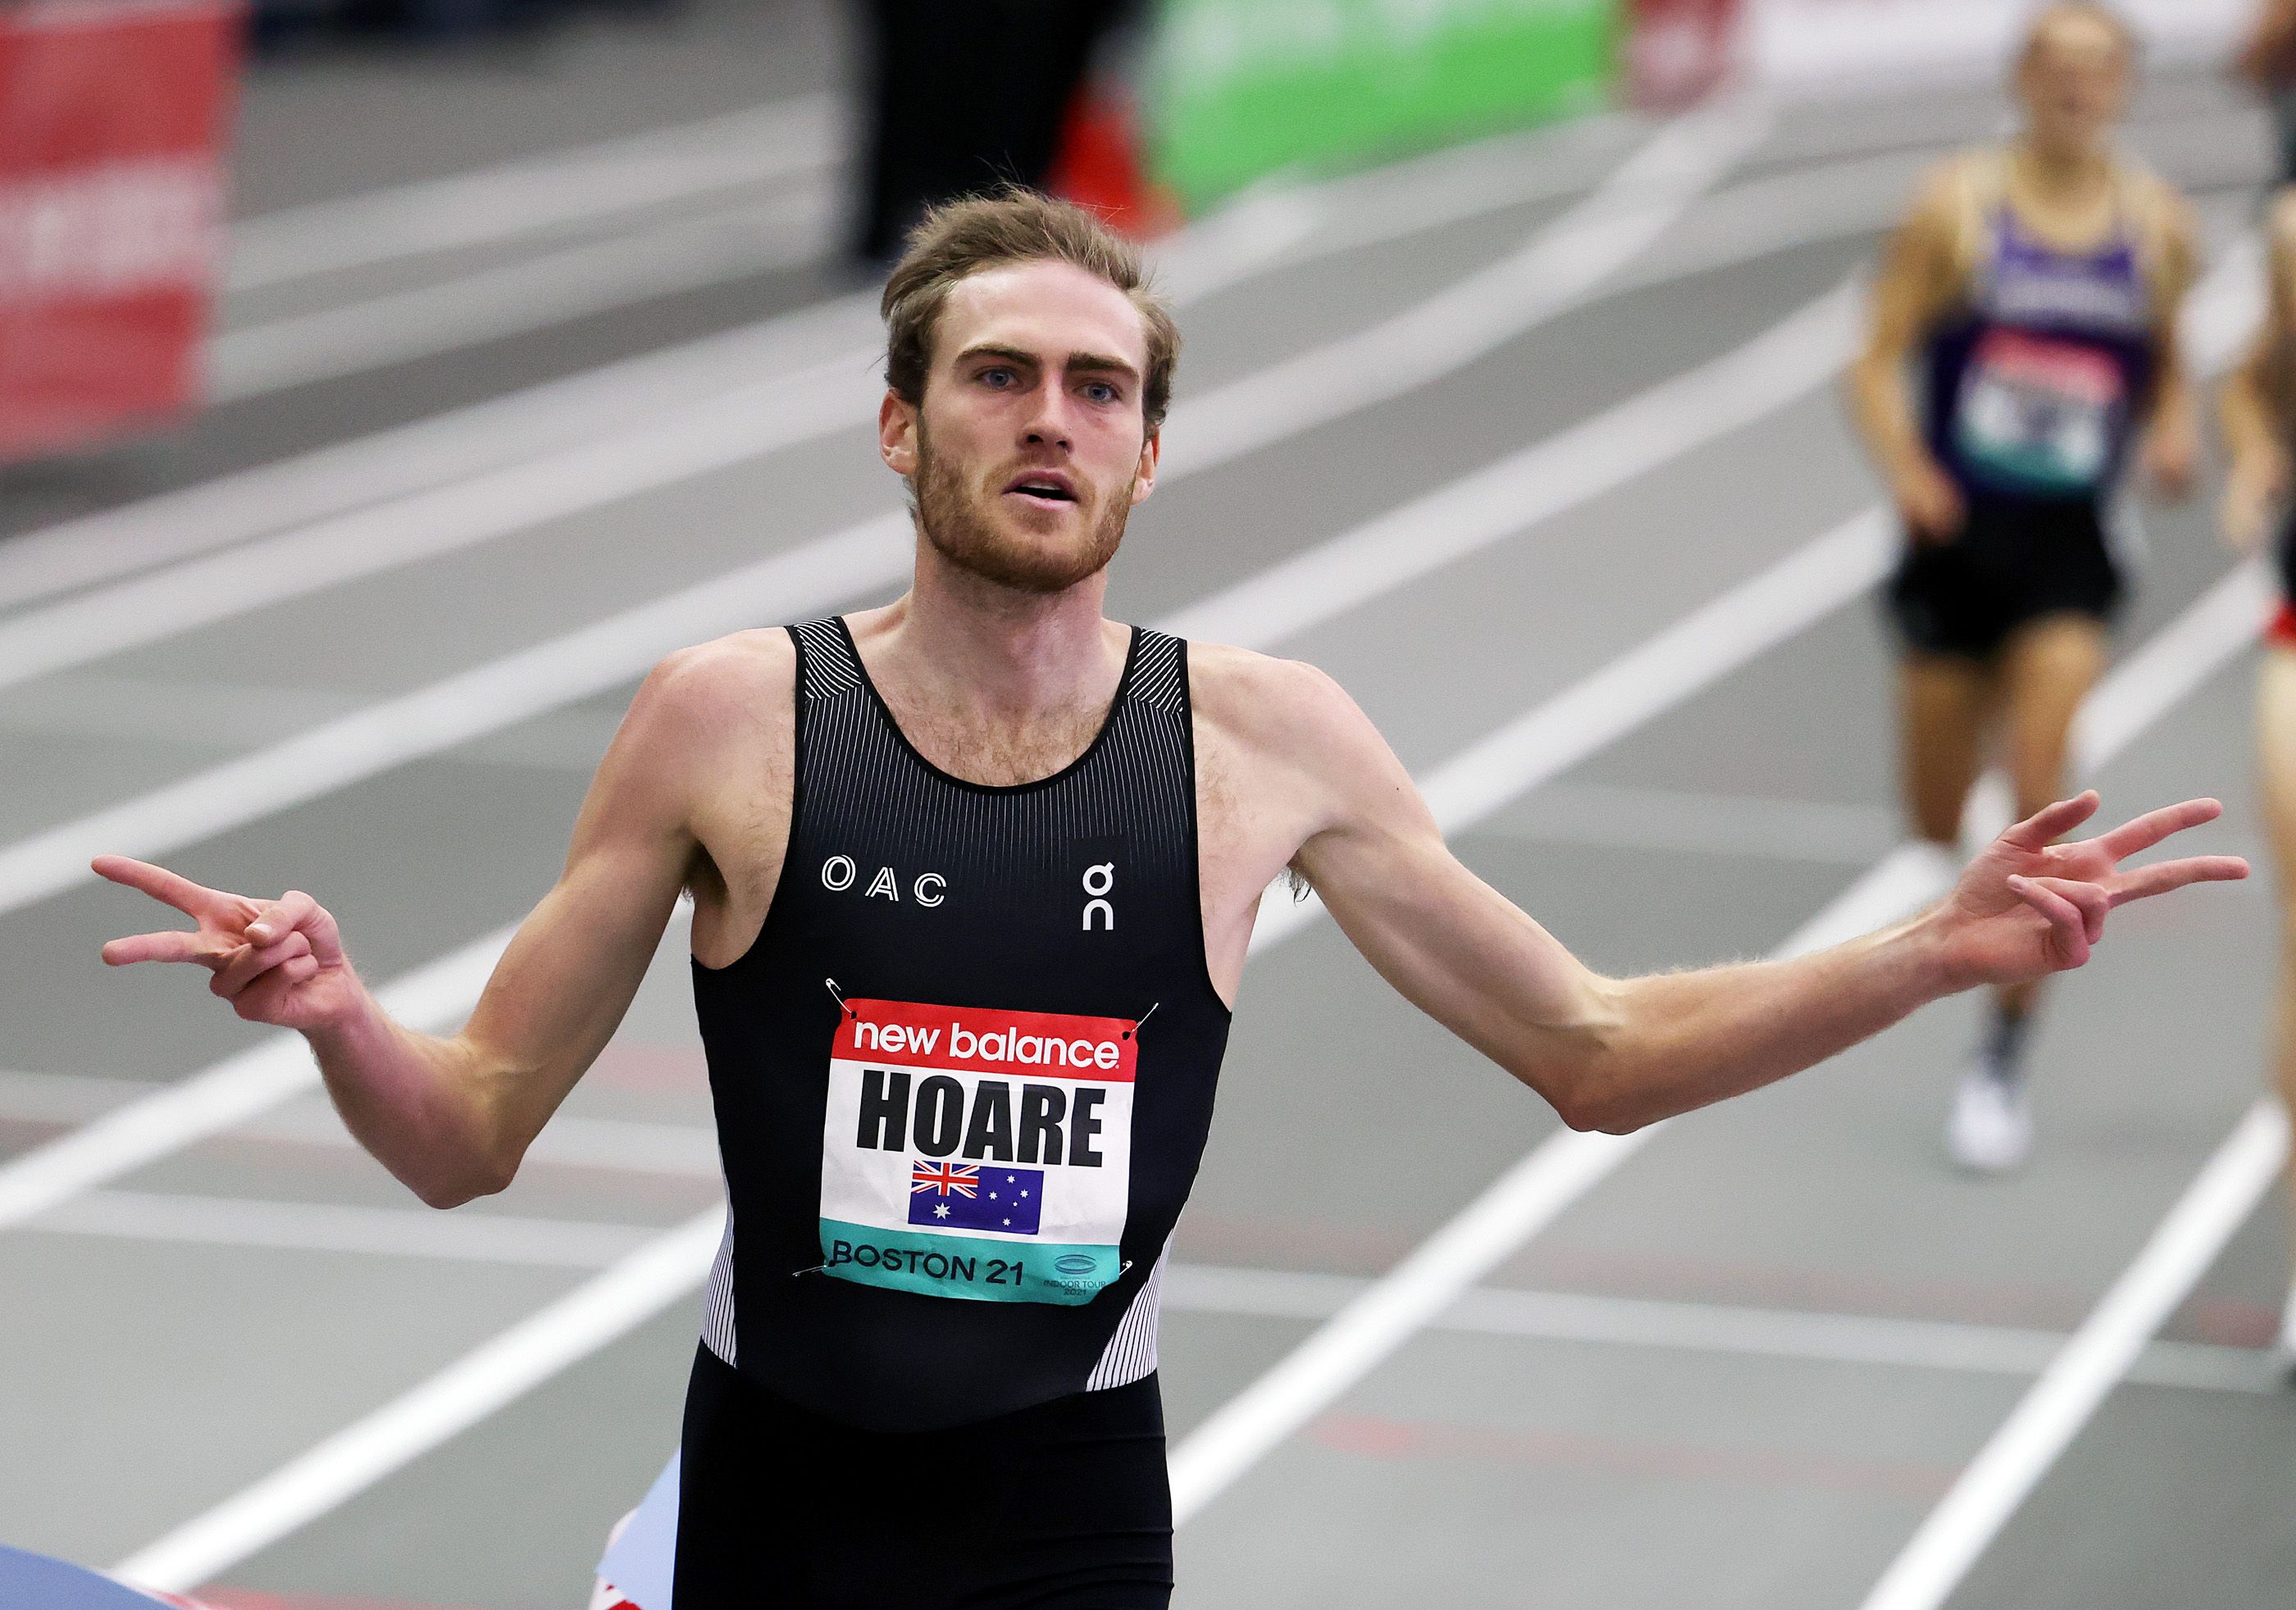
(2030, 906)
(2172, 460)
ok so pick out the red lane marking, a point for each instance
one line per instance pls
(1380, 1437)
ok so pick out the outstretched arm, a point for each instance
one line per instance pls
(452, 1116)
(1619, 1053)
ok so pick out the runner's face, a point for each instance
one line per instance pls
(1029, 451)
(2074, 83)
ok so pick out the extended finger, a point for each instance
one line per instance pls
(2062, 916)
(2140, 883)
(2052, 822)
(2143, 832)
(191, 899)
(250, 962)
(173, 945)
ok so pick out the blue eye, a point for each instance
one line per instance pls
(995, 377)
(1099, 391)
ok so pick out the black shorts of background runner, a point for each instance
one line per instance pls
(2009, 565)
(1064, 1506)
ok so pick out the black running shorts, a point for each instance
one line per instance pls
(2009, 565)
(1062, 1506)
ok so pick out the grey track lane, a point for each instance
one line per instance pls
(1470, 1470)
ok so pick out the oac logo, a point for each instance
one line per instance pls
(838, 873)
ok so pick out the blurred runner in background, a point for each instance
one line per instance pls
(2267, 59)
(962, 98)
(2259, 425)
(2036, 285)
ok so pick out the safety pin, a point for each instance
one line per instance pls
(1137, 1027)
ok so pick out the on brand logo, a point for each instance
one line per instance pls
(1099, 883)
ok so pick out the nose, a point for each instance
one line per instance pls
(1048, 425)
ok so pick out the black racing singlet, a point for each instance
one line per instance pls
(964, 1078)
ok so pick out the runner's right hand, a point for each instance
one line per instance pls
(2252, 491)
(278, 962)
(1930, 503)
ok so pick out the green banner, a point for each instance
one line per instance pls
(1243, 88)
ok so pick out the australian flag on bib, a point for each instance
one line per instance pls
(966, 1197)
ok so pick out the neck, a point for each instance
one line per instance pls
(997, 650)
(2062, 168)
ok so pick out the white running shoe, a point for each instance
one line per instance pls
(1990, 1129)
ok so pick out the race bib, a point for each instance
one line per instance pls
(975, 1153)
(2037, 413)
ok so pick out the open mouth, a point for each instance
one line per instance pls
(1044, 490)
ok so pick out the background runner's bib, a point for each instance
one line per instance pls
(977, 1154)
(2041, 412)
(964, 1078)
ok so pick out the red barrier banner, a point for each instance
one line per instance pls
(1678, 51)
(115, 117)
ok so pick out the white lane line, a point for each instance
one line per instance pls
(632, 1146)
(495, 1374)
(332, 1227)
(771, 415)
(445, 447)
(1561, 263)
(348, 547)
(225, 1094)
(2077, 1380)
(479, 1237)
(1602, 815)
(1762, 1333)
(1576, 465)
(515, 298)
(534, 194)
(1568, 1164)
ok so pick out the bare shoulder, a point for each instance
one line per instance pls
(731, 684)
(2161, 213)
(1269, 705)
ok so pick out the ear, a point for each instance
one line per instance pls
(896, 434)
(1145, 482)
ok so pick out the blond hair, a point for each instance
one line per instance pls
(957, 240)
(2047, 17)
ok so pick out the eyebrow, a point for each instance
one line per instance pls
(1097, 363)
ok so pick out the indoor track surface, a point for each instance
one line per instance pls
(1534, 445)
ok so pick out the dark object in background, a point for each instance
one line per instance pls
(283, 24)
(959, 97)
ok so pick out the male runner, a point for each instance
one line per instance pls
(973, 874)
(2039, 282)
(2259, 425)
